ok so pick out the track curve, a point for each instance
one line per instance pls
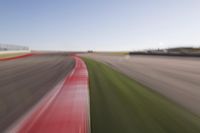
(23, 82)
(64, 109)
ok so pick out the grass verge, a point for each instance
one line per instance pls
(118, 104)
(2, 56)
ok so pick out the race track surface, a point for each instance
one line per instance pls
(177, 78)
(23, 82)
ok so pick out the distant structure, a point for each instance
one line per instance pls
(179, 51)
(90, 51)
(10, 47)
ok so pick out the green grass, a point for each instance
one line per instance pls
(118, 104)
(10, 55)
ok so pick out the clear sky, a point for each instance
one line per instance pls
(100, 24)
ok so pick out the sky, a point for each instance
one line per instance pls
(116, 25)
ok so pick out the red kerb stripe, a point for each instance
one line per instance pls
(16, 57)
(64, 110)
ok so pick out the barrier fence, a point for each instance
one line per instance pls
(10, 47)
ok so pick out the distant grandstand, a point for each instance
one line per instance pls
(10, 47)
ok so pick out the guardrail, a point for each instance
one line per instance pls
(10, 47)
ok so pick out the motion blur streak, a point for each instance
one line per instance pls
(23, 82)
(177, 78)
(16, 57)
(66, 111)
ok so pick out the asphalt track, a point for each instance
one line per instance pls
(23, 82)
(177, 78)
(64, 109)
